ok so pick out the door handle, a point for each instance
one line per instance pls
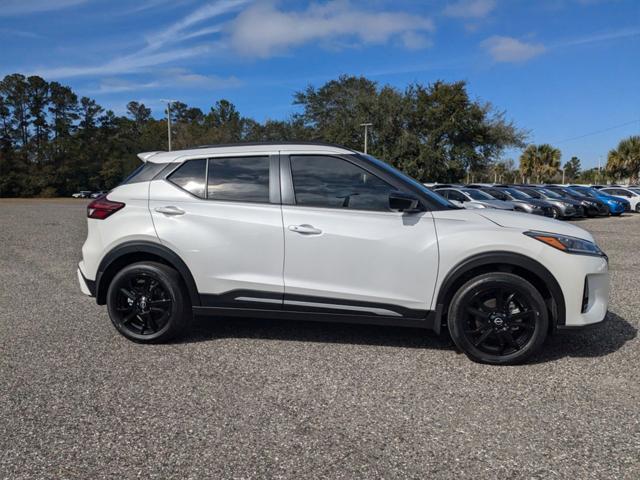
(170, 210)
(305, 229)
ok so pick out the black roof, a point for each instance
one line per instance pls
(248, 144)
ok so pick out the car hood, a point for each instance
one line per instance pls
(499, 204)
(525, 221)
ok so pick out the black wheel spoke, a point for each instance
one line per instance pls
(477, 313)
(159, 303)
(128, 318)
(511, 341)
(128, 293)
(143, 324)
(525, 326)
(152, 323)
(501, 342)
(482, 337)
(500, 299)
(520, 315)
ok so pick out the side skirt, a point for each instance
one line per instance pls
(430, 321)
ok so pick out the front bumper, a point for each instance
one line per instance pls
(585, 286)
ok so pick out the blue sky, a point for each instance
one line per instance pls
(560, 69)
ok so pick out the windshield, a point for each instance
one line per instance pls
(517, 194)
(550, 193)
(477, 194)
(587, 191)
(433, 196)
(532, 193)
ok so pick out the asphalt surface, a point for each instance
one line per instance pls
(278, 399)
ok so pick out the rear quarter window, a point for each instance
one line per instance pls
(144, 172)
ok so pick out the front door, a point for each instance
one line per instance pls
(346, 252)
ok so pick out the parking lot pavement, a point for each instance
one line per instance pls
(278, 399)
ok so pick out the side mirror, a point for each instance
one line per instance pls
(403, 202)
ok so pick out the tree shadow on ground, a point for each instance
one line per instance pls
(597, 341)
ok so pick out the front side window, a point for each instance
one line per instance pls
(477, 194)
(239, 179)
(330, 182)
(457, 196)
(190, 176)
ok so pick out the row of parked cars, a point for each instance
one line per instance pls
(556, 201)
(88, 194)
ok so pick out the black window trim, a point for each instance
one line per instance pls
(288, 192)
(274, 180)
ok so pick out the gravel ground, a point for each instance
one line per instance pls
(277, 399)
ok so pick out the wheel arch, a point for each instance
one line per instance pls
(137, 251)
(529, 269)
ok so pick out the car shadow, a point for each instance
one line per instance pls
(206, 329)
(597, 341)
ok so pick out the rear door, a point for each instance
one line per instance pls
(346, 252)
(222, 216)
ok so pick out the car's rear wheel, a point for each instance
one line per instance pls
(638, 207)
(498, 318)
(148, 303)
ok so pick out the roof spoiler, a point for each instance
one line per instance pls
(144, 156)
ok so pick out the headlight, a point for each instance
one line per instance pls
(567, 244)
(565, 204)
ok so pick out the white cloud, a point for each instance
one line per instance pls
(263, 30)
(127, 64)
(470, 8)
(601, 37)
(509, 49)
(25, 7)
(170, 79)
(176, 32)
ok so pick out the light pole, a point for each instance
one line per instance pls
(366, 134)
(563, 176)
(168, 102)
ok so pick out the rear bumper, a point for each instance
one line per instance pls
(88, 287)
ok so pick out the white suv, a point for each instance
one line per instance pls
(321, 232)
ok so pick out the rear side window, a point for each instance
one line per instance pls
(331, 182)
(191, 176)
(239, 179)
(144, 172)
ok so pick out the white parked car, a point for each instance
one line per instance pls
(631, 194)
(321, 232)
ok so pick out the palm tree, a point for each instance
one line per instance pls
(624, 161)
(543, 161)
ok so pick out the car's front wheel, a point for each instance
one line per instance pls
(148, 303)
(498, 318)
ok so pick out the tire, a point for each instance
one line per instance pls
(148, 303)
(488, 332)
(557, 214)
(638, 207)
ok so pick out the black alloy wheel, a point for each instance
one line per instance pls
(498, 318)
(147, 302)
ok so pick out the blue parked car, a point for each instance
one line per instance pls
(616, 205)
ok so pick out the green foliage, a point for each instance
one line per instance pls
(540, 162)
(54, 143)
(624, 161)
(572, 169)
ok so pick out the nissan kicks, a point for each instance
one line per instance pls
(321, 232)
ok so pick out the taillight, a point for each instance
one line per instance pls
(101, 208)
